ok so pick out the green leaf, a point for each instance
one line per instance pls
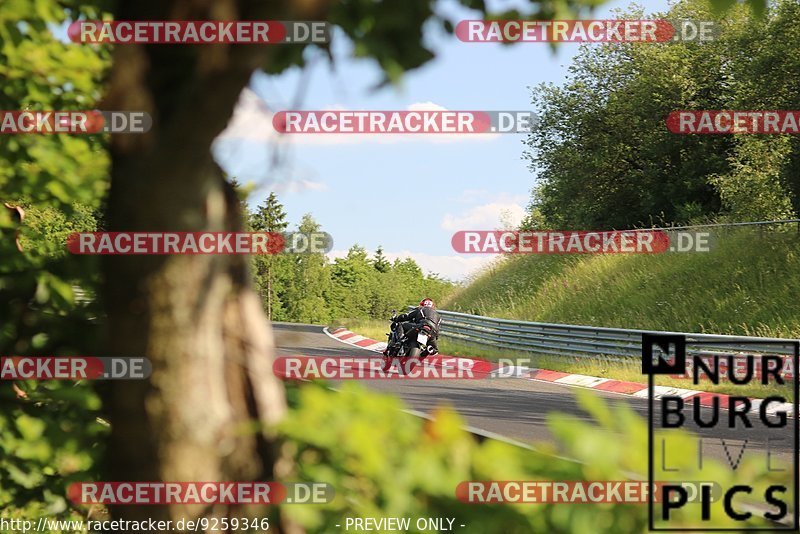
(31, 428)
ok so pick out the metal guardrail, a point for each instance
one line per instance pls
(729, 225)
(616, 344)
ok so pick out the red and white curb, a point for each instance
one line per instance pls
(621, 387)
(351, 338)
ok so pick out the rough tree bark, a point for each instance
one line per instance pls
(195, 317)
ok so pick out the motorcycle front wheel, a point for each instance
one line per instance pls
(412, 359)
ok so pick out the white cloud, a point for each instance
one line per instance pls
(252, 121)
(456, 267)
(298, 186)
(244, 153)
(489, 216)
(426, 106)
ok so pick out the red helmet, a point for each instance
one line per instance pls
(426, 303)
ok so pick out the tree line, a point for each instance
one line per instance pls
(310, 288)
(602, 155)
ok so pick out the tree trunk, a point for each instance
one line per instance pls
(269, 292)
(195, 317)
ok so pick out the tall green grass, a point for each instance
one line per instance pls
(748, 284)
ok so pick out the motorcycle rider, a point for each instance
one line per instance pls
(425, 313)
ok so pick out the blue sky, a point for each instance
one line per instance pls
(407, 195)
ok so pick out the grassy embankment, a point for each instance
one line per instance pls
(749, 284)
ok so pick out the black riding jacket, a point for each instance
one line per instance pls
(422, 314)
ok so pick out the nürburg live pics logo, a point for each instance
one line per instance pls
(746, 439)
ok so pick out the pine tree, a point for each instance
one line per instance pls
(269, 217)
(380, 262)
(242, 191)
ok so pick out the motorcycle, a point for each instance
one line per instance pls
(408, 349)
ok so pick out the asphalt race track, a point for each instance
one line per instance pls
(513, 408)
